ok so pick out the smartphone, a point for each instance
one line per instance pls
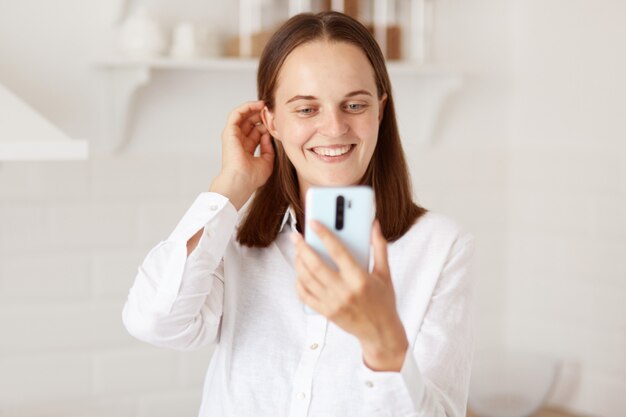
(349, 213)
(346, 211)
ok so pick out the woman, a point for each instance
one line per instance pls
(396, 341)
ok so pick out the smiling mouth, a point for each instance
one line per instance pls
(332, 151)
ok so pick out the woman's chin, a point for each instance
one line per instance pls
(335, 182)
(345, 180)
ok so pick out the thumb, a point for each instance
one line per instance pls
(381, 264)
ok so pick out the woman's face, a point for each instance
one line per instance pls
(326, 113)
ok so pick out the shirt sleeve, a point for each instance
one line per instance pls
(435, 375)
(176, 301)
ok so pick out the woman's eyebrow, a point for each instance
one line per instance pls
(351, 94)
(358, 93)
(294, 98)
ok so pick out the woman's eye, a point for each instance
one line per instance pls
(355, 106)
(305, 111)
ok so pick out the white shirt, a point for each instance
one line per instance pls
(271, 357)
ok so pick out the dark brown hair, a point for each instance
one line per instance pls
(387, 172)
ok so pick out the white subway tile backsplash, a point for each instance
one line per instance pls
(93, 226)
(45, 377)
(193, 366)
(455, 166)
(197, 173)
(45, 326)
(24, 227)
(622, 171)
(532, 254)
(113, 272)
(17, 181)
(532, 296)
(574, 301)
(171, 404)
(87, 406)
(107, 329)
(536, 331)
(538, 290)
(596, 260)
(573, 169)
(140, 370)
(490, 259)
(607, 308)
(609, 216)
(552, 211)
(607, 351)
(45, 276)
(44, 181)
(155, 221)
(489, 280)
(489, 300)
(489, 329)
(129, 177)
(62, 180)
(479, 210)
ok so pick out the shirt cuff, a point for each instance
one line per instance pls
(402, 392)
(205, 208)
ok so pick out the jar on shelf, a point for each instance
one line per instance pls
(141, 36)
(401, 27)
(258, 20)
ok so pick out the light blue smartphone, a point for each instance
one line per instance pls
(349, 213)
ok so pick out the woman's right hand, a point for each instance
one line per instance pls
(242, 172)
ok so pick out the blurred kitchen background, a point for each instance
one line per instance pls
(513, 114)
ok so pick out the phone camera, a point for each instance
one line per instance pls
(339, 209)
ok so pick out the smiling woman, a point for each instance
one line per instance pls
(328, 107)
(330, 126)
(394, 339)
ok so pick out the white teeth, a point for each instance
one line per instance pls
(332, 151)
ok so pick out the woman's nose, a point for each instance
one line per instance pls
(333, 124)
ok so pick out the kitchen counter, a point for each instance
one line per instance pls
(548, 412)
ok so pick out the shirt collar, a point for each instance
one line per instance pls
(289, 217)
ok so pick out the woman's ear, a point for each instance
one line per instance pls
(381, 107)
(268, 120)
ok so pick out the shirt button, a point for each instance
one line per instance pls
(314, 346)
(213, 207)
(369, 384)
(300, 395)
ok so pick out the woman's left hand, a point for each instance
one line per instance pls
(359, 302)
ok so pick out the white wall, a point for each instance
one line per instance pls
(83, 227)
(566, 274)
(73, 233)
(464, 173)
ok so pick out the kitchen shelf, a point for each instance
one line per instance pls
(128, 76)
(211, 64)
(226, 63)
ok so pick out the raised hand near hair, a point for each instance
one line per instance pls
(242, 172)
